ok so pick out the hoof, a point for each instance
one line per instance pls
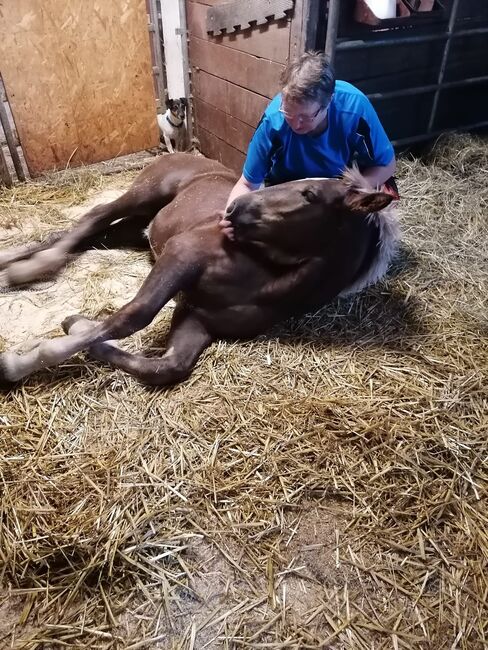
(40, 265)
(69, 321)
(77, 323)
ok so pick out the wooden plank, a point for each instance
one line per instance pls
(224, 126)
(11, 142)
(250, 72)
(243, 104)
(269, 41)
(239, 14)
(156, 54)
(5, 178)
(213, 147)
(246, 105)
(75, 102)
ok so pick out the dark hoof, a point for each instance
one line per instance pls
(69, 321)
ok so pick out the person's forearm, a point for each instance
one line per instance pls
(379, 174)
(242, 186)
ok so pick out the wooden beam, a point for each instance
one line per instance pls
(304, 25)
(5, 178)
(156, 48)
(251, 72)
(9, 136)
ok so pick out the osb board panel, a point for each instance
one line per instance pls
(242, 104)
(219, 150)
(224, 126)
(79, 79)
(270, 41)
(258, 75)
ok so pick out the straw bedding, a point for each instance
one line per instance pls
(323, 486)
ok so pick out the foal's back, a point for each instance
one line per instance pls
(191, 192)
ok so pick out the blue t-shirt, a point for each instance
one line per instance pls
(277, 154)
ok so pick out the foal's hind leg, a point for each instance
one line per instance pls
(177, 268)
(43, 261)
(16, 253)
(187, 340)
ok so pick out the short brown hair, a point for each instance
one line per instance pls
(309, 78)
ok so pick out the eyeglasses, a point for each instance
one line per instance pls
(301, 117)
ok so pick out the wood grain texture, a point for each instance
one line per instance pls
(224, 126)
(220, 150)
(269, 41)
(242, 104)
(239, 14)
(79, 80)
(5, 178)
(258, 75)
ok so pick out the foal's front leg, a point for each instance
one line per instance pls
(187, 339)
(176, 269)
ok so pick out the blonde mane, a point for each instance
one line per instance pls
(389, 233)
(353, 178)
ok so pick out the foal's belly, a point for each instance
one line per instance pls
(238, 321)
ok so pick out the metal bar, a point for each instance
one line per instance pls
(407, 40)
(404, 92)
(5, 178)
(434, 134)
(332, 28)
(12, 145)
(442, 69)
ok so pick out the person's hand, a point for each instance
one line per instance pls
(226, 226)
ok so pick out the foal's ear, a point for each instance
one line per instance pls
(367, 202)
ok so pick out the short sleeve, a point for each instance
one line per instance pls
(369, 140)
(258, 158)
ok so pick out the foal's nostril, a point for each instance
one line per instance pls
(230, 209)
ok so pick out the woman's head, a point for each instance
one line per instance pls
(309, 78)
(308, 86)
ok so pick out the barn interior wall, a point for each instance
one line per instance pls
(233, 76)
(87, 93)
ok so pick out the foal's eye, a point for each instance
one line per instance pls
(310, 195)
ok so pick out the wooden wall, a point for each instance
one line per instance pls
(233, 78)
(78, 78)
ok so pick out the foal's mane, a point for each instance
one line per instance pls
(353, 178)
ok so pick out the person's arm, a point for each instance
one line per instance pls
(243, 186)
(255, 168)
(376, 157)
(379, 174)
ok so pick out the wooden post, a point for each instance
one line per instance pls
(304, 25)
(158, 70)
(332, 27)
(5, 178)
(9, 136)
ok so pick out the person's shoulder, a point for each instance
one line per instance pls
(349, 98)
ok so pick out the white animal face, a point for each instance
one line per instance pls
(172, 124)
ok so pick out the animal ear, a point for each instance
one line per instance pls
(168, 103)
(184, 101)
(367, 202)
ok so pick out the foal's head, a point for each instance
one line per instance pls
(297, 217)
